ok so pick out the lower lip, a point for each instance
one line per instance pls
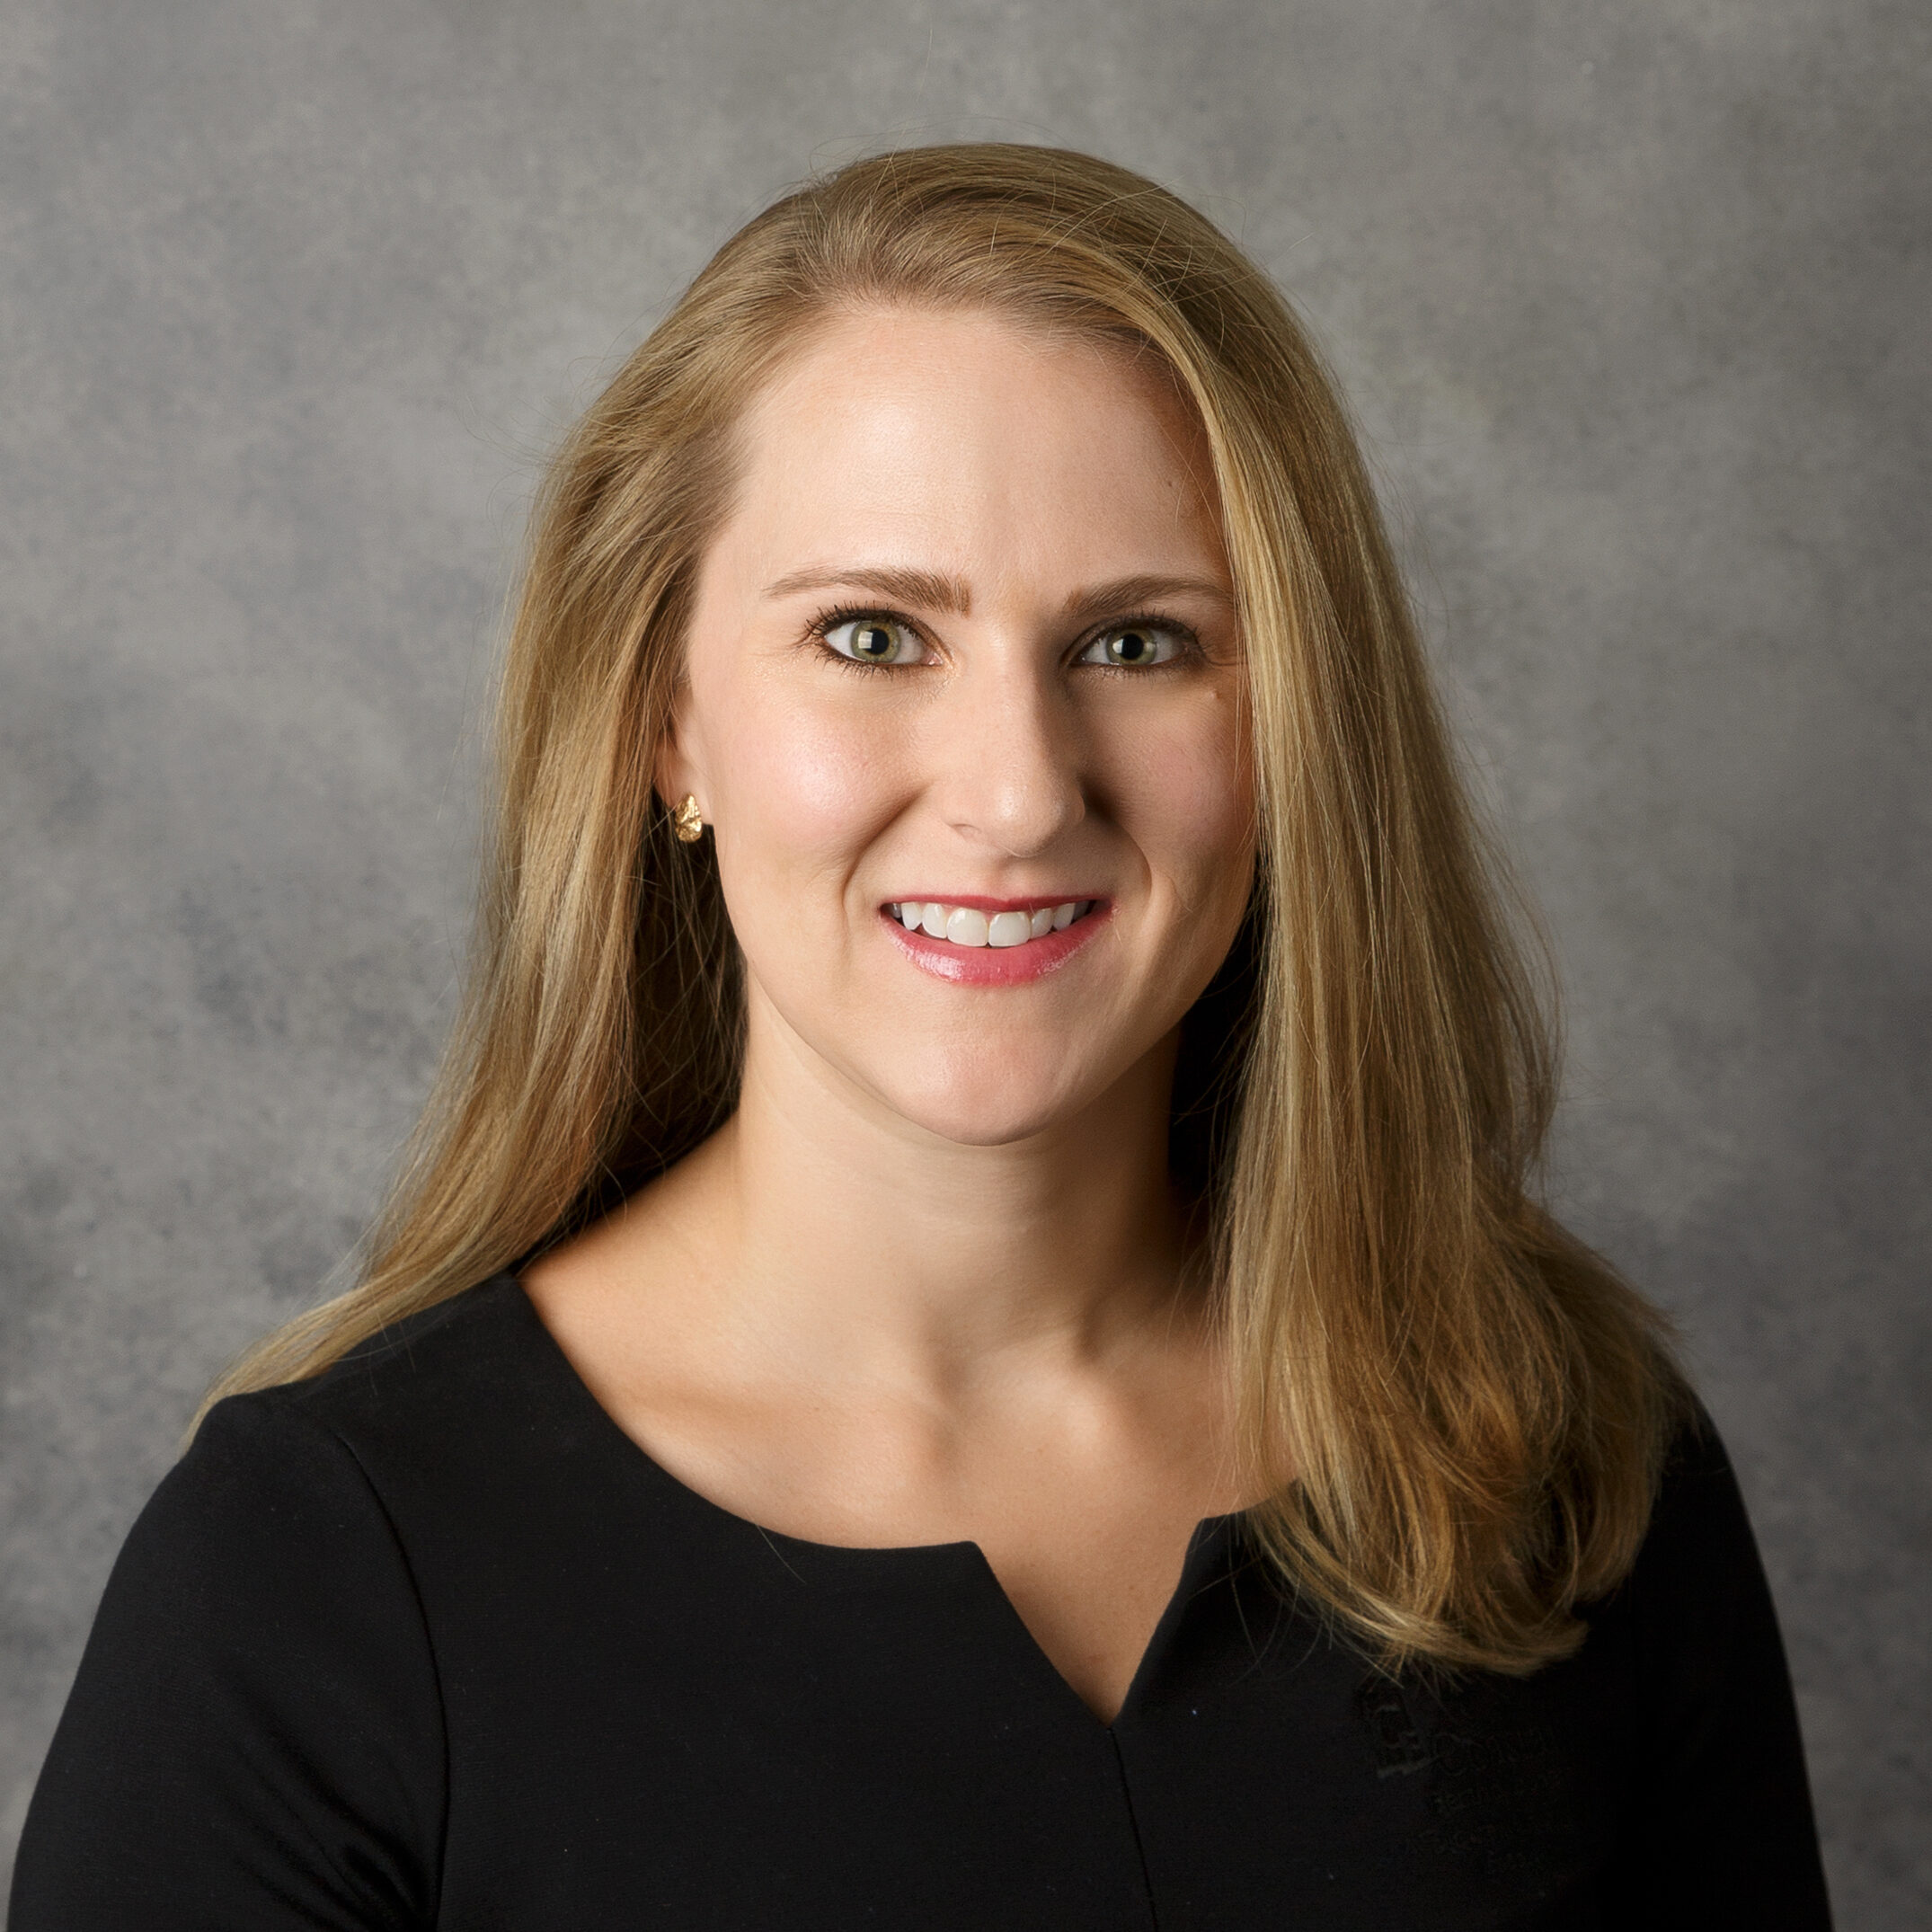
(996, 965)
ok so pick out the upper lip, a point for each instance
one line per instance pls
(978, 903)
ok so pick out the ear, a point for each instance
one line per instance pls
(673, 772)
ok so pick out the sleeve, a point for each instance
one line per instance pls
(1722, 1832)
(254, 1740)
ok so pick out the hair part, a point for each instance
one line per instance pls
(1471, 1409)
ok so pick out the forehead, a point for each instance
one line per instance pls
(971, 443)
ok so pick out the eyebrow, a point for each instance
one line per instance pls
(927, 589)
(1124, 593)
(937, 591)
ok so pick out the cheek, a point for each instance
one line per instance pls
(795, 781)
(1185, 792)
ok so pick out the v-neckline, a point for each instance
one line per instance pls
(1207, 1533)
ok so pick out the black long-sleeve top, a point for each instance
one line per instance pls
(428, 1642)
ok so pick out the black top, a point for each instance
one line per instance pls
(428, 1641)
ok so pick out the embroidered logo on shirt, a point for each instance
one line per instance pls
(1399, 1749)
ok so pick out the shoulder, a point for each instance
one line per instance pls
(383, 1489)
(1699, 1535)
(306, 1521)
(260, 1675)
(1708, 1655)
(433, 1392)
(1720, 1828)
(461, 1350)
(466, 1432)
(420, 1422)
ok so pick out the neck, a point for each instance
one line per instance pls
(848, 1243)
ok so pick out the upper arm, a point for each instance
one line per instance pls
(1722, 1826)
(255, 1739)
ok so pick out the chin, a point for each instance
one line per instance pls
(985, 1113)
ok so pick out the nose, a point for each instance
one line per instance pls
(1007, 748)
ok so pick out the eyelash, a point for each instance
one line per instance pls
(1190, 651)
(828, 620)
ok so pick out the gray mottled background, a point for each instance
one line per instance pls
(1635, 301)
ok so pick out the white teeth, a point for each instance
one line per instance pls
(965, 926)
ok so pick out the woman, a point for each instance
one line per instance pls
(965, 1344)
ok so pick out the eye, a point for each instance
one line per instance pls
(1134, 646)
(874, 641)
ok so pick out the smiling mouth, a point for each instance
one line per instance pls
(968, 926)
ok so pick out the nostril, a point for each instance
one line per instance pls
(1012, 790)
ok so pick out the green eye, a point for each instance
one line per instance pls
(1133, 646)
(874, 640)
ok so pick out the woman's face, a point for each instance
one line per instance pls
(965, 712)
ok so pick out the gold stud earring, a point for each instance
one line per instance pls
(689, 820)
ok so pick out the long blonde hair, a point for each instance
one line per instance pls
(1474, 1407)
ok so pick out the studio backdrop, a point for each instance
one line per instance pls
(1633, 302)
